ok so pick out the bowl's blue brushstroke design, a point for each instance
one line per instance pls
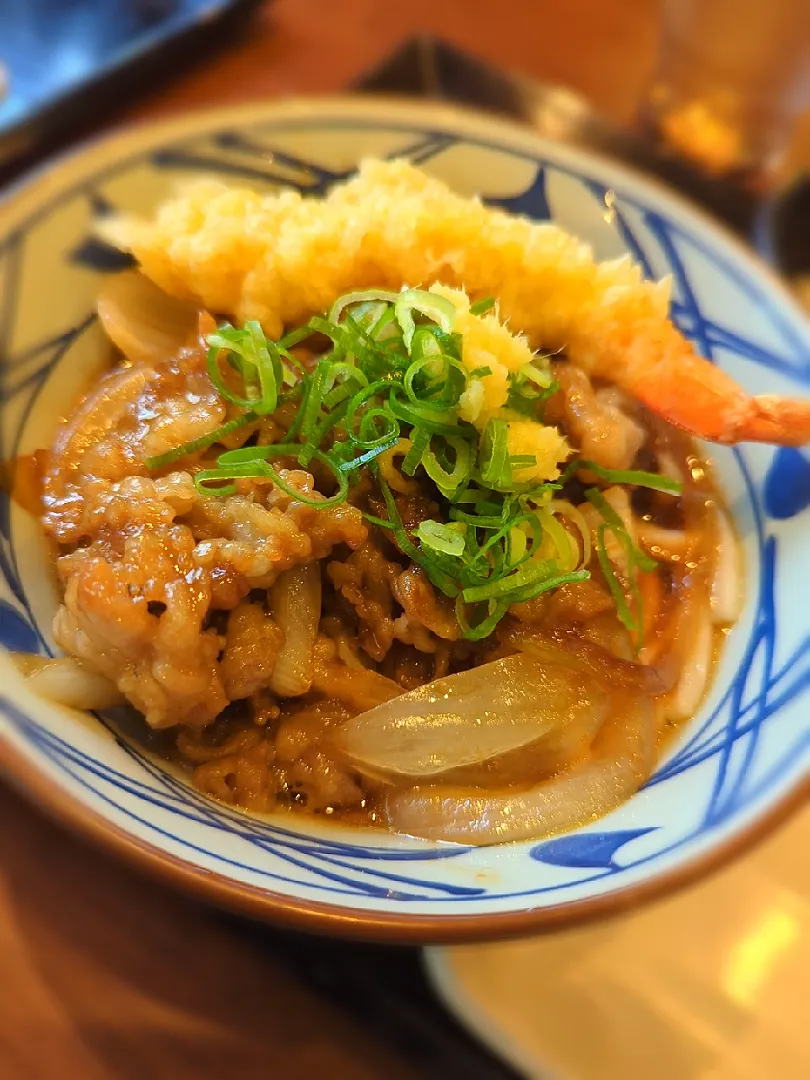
(16, 632)
(533, 202)
(97, 255)
(247, 157)
(726, 742)
(787, 486)
(589, 849)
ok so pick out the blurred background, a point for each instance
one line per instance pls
(105, 975)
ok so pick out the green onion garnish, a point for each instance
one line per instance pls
(447, 477)
(437, 308)
(633, 477)
(617, 592)
(253, 461)
(481, 307)
(204, 441)
(445, 538)
(617, 527)
(254, 358)
(636, 559)
(493, 458)
(393, 371)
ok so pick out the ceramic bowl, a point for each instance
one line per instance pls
(739, 766)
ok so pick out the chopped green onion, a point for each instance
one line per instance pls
(448, 481)
(257, 360)
(535, 589)
(420, 440)
(373, 433)
(393, 370)
(295, 337)
(541, 379)
(481, 307)
(362, 297)
(494, 454)
(437, 308)
(257, 457)
(634, 477)
(506, 530)
(202, 443)
(530, 572)
(441, 537)
(562, 540)
(480, 521)
(617, 526)
(379, 522)
(331, 420)
(613, 583)
(437, 423)
(635, 559)
(496, 609)
(364, 459)
(367, 434)
(442, 581)
(449, 376)
(314, 401)
(213, 481)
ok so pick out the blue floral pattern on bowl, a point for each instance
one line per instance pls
(749, 746)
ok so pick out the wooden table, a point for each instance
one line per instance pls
(104, 975)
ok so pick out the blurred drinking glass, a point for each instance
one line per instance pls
(731, 80)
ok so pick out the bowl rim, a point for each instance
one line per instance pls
(57, 175)
(316, 917)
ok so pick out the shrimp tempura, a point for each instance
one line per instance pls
(281, 258)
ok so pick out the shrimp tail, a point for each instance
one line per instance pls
(694, 395)
(772, 419)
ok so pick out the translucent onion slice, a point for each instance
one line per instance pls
(588, 657)
(471, 717)
(359, 687)
(145, 323)
(622, 758)
(66, 681)
(295, 604)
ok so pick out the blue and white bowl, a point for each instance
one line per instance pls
(734, 771)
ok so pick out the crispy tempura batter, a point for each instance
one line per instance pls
(281, 258)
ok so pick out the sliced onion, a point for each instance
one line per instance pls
(726, 589)
(67, 681)
(295, 604)
(144, 322)
(588, 657)
(472, 717)
(360, 687)
(609, 634)
(622, 758)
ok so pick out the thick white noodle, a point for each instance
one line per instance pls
(726, 590)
